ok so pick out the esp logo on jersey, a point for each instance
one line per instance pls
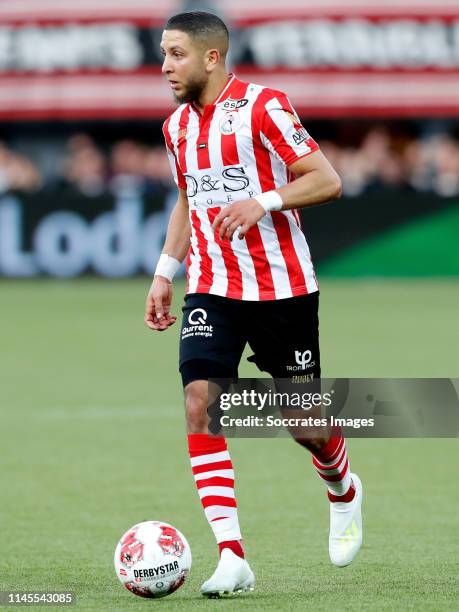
(234, 104)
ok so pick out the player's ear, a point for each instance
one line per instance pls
(212, 59)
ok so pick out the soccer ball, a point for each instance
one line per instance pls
(152, 559)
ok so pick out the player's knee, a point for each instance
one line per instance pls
(196, 406)
(313, 443)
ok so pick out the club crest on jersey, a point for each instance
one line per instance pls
(230, 104)
(182, 133)
(230, 123)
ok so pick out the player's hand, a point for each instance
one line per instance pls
(158, 304)
(239, 216)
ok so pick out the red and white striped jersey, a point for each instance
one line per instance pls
(241, 146)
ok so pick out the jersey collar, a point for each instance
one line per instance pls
(229, 88)
(226, 92)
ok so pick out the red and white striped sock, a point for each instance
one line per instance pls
(332, 465)
(214, 476)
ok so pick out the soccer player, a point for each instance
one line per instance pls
(244, 165)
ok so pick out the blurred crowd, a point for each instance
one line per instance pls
(17, 172)
(380, 159)
(88, 169)
(429, 164)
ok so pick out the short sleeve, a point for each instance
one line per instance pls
(179, 178)
(282, 132)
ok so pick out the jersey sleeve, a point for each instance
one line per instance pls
(179, 178)
(281, 130)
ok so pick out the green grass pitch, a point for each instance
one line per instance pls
(92, 441)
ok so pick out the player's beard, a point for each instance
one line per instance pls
(192, 90)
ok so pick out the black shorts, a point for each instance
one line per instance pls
(283, 334)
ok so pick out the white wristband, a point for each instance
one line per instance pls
(270, 200)
(167, 266)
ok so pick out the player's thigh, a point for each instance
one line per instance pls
(284, 337)
(211, 338)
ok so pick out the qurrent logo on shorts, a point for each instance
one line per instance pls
(197, 325)
(303, 361)
(198, 316)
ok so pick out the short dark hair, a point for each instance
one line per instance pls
(202, 26)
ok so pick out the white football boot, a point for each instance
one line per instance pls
(233, 575)
(346, 527)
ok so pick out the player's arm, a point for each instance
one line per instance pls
(317, 182)
(159, 299)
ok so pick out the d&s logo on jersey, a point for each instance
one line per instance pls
(233, 179)
(197, 325)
